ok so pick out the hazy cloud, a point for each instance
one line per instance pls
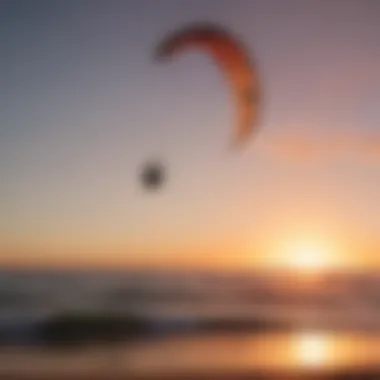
(308, 148)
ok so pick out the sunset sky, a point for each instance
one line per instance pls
(83, 106)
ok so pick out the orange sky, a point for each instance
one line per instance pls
(84, 107)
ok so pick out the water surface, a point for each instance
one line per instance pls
(305, 351)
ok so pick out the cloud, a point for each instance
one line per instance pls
(302, 148)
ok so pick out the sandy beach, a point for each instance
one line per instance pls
(370, 374)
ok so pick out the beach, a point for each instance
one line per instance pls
(357, 375)
(217, 356)
(137, 327)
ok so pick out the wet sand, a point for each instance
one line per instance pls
(360, 374)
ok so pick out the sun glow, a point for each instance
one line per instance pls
(312, 350)
(308, 256)
(305, 256)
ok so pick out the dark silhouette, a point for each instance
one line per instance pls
(153, 175)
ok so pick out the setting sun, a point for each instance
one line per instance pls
(303, 255)
(308, 256)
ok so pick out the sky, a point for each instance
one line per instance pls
(83, 106)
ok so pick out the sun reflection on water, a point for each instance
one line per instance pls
(313, 350)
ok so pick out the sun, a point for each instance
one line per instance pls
(304, 253)
(306, 256)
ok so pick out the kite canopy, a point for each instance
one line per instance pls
(232, 58)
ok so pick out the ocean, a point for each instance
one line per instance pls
(335, 323)
(347, 299)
